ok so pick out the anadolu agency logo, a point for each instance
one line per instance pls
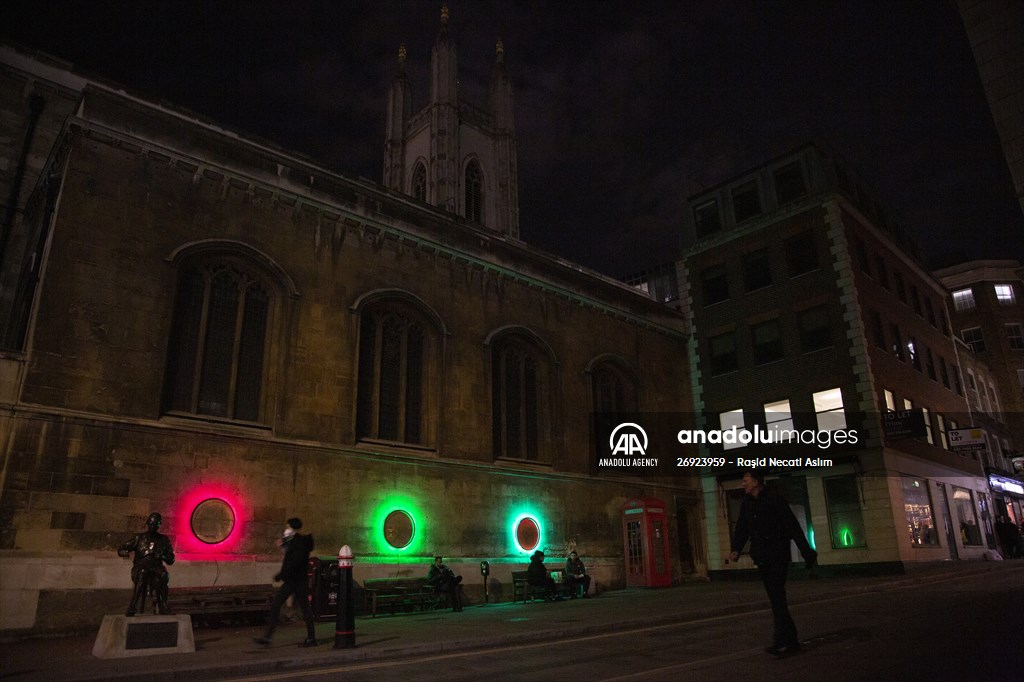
(628, 439)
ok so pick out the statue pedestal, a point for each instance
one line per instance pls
(124, 637)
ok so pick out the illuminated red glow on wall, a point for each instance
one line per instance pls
(186, 541)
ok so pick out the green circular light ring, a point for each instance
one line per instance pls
(526, 518)
(399, 529)
(378, 520)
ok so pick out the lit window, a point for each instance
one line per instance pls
(963, 299)
(928, 425)
(941, 421)
(728, 420)
(917, 507)
(778, 418)
(1004, 294)
(963, 501)
(828, 408)
(890, 400)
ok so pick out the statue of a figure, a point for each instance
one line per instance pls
(152, 550)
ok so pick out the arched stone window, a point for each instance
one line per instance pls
(613, 389)
(216, 356)
(520, 390)
(474, 192)
(419, 182)
(397, 373)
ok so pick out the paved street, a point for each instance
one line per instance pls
(955, 620)
(965, 629)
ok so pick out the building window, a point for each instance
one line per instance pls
(845, 520)
(393, 394)
(815, 329)
(767, 342)
(890, 400)
(789, 183)
(929, 310)
(1004, 294)
(956, 379)
(972, 390)
(963, 500)
(419, 182)
(883, 272)
(726, 422)
(745, 202)
(929, 363)
(915, 357)
(943, 440)
(862, 255)
(723, 353)
(517, 390)
(897, 341)
(218, 338)
(706, 220)
(1015, 336)
(974, 338)
(474, 193)
(715, 284)
(963, 299)
(877, 332)
(801, 254)
(944, 371)
(757, 271)
(901, 290)
(928, 435)
(828, 409)
(612, 391)
(915, 300)
(943, 323)
(917, 507)
(778, 417)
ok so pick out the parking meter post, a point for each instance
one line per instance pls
(485, 571)
(345, 625)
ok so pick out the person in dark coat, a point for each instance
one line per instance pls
(768, 522)
(1009, 536)
(443, 579)
(294, 580)
(576, 575)
(537, 577)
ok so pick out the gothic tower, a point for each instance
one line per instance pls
(451, 153)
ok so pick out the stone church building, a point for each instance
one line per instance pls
(201, 324)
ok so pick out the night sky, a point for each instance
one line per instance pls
(623, 108)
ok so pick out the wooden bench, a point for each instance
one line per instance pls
(521, 588)
(405, 594)
(216, 605)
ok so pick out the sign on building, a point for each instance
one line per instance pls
(966, 440)
(903, 424)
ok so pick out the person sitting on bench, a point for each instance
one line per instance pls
(576, 575)
(444, 580)
(537, 577)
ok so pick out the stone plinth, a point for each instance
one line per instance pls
(124, 637)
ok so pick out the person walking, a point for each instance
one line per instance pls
(294, 569)
(767, 521)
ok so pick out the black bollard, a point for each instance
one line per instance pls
(345, 625)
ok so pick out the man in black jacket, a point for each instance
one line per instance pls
(294, 569)
(768, 522)
(443, 579)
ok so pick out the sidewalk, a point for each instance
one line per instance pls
(230, 651)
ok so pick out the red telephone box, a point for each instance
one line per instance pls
(645, 532)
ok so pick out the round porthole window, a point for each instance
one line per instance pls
(527, 534)
(213, 520)
(399, 529)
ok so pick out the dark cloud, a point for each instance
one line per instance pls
(623, 109)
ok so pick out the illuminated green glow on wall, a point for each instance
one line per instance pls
(846, 537)
(514, 540)
(810, 538)
(397, 502)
